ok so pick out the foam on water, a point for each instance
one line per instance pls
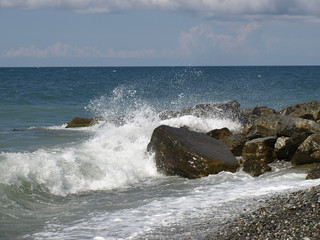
(113, 157)
(185, 202)
(98, 182)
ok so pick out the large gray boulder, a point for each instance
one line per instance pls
(308, 151)
(179, 151)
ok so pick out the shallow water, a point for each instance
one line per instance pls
(98, 182)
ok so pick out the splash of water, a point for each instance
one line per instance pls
(114, 157)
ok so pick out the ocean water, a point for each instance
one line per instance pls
(98, 182)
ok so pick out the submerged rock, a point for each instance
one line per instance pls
(255, 167)
(179, 151)
(234, 142)
(82, 122)
(308, 152)
(261, 149)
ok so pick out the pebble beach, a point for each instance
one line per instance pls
(290, 216)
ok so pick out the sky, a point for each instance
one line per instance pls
(159, 32)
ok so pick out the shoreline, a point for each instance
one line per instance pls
(289, 216)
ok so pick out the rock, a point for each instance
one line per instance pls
(220, 133)
(259, 131)
(314, 173)
(310, 110)
(261, 149)
(179, 151)
(263, 116)
(295, 127)
(308, 152)
(229, 109)
(234, 142)
(82, 122)
(255, 167)
(285, 147)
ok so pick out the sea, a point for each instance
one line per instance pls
(98, 182)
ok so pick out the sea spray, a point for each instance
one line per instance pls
(58, 183)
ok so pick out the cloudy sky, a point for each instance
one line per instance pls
(159, 32)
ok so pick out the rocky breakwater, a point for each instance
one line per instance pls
(291, 134)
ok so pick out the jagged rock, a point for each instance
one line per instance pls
(310, 110)
(261, 149)
(259, 131)
(255, 167)
(82, 122)
(234, 142)
(308, 151)
(297, 127)
(285, 147)
(314, 173)
(229, 109)
(263, 116)
(220, 133)
(179, 151)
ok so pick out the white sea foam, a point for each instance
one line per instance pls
(202, 124)
(214, 197)
(114, 157)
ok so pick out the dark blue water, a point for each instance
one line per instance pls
(97, 183)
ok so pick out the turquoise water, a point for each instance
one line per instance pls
(97, 182)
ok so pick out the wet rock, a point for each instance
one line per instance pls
(297, 127)
(308, 152)
(260, 149)
(234, 142)
(314, 173)
(263, 116)
(285, 147)
(229, 109)
(179, 151)
(220, 133)
(310, 110)
(259, 131)
(255, 167)
(82, 122)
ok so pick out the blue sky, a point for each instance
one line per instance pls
(159, 32)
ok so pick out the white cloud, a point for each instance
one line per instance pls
(63, 50)
(210, 8)
(204, 37)
(57, 50)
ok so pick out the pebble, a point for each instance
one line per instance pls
(291, 216)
